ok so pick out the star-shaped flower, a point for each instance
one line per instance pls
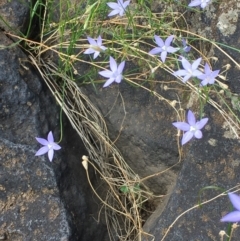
(118, 8)
(233, 216)
(192, 128)
(115, 74)
(203, 3)
(209, 76)
(48, 146)
(190, 70)
(163, 47)
(95, 47)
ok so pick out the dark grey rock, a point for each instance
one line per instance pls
(15, 15)
(31, 208)
(80, 203)
(39, 200)
(213, 161)
(29, 199)
(142, 128)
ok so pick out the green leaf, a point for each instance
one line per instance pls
(124, 189)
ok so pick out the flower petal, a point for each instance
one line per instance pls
(89, 51)
(126, 3)
(235, 200)
(50, 154)
(215, 73)
(187, 137)
(232, 217)
(194, 3)
(181, 72)
(113, 64)
(106, 73)
(198, 134)
(202, 76)
(118, 78)
(42, 151)
(99, 40)
(183, 126)
(204, 82)
(186, 65)
(186, 78)
(159, 41)
(191, 118)
(187, 49)
(91, 41)
(121, 12)
(50, 137)
(163, 56)
(108, 82)
(103, 48)
(55, 146)
(42, 141)
(169, 40)
(196, 63)
(156, 50)
(207, 69)
(200, 124)
(211, 81)
(184, 42)
(121, 67)
(196, 73)
(171, 49)
(96, 54)
(114, 12)
(203, 5)
(113, 5)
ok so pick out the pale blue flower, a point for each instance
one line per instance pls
(209, 76)
(118, 8)
(186, 48)
(192, 128)
(95, 47)
(115, 74)
(190, 70)
(234, 216)
(202, 3)
(48, 146)
(163, 47)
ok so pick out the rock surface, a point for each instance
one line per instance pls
(142, 128)
(31, 208)
(15, 15)
(214, 161)
(39, 200)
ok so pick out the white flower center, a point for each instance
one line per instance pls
(208, 79)
(115, 74)
(190, 71)
(95, 47)
(193, 128)
(49, 146)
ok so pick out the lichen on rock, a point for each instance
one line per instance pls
(227, 21)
